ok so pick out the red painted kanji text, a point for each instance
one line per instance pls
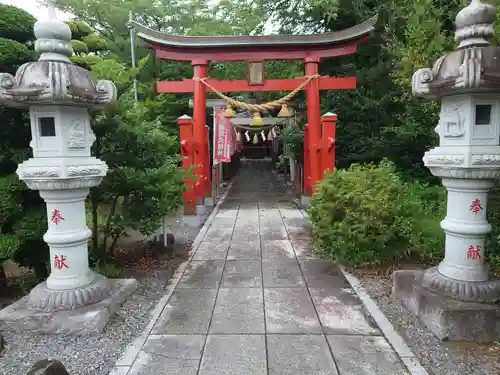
(476, 206)
(474, 252)
(56, 216)
(59, 262)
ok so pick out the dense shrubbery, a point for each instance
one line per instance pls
(493, 246)
(293, 140)
(22, 212)
(370, 215)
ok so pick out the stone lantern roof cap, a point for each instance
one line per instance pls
(474, 67)
(474, 24)
(53, 79)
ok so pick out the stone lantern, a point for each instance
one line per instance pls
(74, 299)
(456, 299)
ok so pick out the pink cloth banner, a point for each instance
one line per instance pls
(223, 137)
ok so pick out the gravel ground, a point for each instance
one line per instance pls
(97, 355)
(438, 358)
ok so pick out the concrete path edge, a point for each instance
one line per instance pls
(124, 363)
(395, 340)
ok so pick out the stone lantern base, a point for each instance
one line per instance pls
(446, 318)
(83, 321)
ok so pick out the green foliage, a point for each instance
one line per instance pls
(95, 43)
(79, 47)
(22, 225)
(10, 204)
(79, 29)
(22, 212)
(113, 70)
(13, 54)
(108, 269)
(493, 244)
(369, 215)
(33, 252)
(9, 244)
(16, 24)
(86, 45)
(144, 182)
(293, 141)
(86, 61)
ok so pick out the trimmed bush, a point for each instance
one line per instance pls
(16, 24)
(13, 54)
(368, 215)
(79, 47)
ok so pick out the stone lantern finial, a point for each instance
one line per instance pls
(53, 37)
(53, 79)
(474, 24)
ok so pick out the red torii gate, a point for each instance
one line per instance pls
(200, 50)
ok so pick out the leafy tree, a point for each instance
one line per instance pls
(87, 45)
(22, 211)
(144, 182)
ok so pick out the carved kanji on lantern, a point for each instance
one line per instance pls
(474, 252)
(59, 262)
(476, 206)
(56, 217)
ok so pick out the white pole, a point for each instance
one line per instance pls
(132, 51)
(291, 159)
(216, 163)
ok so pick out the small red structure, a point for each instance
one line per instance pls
(319, 152)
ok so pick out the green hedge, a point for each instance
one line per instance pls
(13, 54)
(16, 24)
(493, 245)
(368, 215)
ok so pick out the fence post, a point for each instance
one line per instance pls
(187, 153)
(329, 125)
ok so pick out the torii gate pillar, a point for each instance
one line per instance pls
(314, 120)
(201, 161)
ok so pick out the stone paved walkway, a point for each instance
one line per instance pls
(252, 301)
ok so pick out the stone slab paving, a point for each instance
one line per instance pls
(254, 301)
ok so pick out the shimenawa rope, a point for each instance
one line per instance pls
(258, 107)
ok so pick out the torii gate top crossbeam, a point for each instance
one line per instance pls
(260, 47)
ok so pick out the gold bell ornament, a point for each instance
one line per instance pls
(257, 119)
(284, 111)
(255, 139)
(229, 112)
